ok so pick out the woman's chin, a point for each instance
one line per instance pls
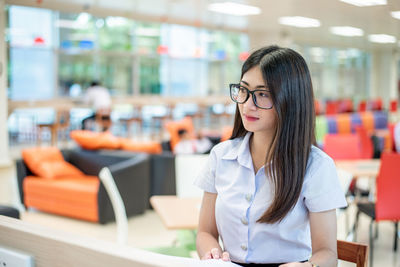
(250, 128)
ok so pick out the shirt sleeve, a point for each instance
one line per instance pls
(322, 190)
(206, 178)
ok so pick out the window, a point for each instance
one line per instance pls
(31, 65)
(59, 54)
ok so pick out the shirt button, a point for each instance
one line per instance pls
(244, 247)
(248, 197)
(244, 221)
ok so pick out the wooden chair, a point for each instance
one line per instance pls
(61, 122)
(134, 118)
(352, 252)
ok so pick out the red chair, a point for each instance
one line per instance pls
(362, 106)
(386, 207)
(367, 149)
(345, 105)
(342, 146)
(332, 108)
(377, 104)
(393, 106)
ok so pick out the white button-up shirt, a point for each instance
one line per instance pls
(244, 196)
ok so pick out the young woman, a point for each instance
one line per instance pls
(270, 195)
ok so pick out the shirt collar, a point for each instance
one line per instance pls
(241, 152)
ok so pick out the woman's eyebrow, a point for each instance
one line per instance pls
(258, 86)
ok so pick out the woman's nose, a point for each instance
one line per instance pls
(249, 104)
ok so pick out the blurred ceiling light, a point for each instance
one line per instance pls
(382, 38)
(347, 31)
(69, 24)
(395, 14)
(300, 22)
(236, 9)
(365, 2)
(83, 18)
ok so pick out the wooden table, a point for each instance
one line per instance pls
(177, 213)
(360, 168)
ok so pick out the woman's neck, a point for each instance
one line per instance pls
(260, 143)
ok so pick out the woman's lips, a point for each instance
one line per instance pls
(250, 118)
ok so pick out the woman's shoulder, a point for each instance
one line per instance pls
(224, 147)
(318, 159)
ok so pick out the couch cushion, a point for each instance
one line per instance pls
(150, 147)
(93, 140)
(173, 128)
(48, 162)
(74, 196)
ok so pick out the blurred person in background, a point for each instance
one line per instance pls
(99, 98)
(188, 145)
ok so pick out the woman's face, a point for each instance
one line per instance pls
(256, 119)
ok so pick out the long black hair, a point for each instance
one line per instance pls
(286, 75)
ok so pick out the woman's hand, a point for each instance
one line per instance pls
(296, 264)
(215, 253)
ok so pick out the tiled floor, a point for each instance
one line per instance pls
(147, 231)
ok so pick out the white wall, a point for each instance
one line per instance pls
(7, 172)
(3, 88)
(384, 75)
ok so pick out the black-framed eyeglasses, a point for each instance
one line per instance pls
(240, 94)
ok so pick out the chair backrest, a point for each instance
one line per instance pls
(342, 146)
(393, 106)
(367, 148)
(362, 106)
(343, 123)
(352, 252)
(387, 185)
(173, 128)
(321, 129)
(63, 117)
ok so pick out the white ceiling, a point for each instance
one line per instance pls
(373, 20)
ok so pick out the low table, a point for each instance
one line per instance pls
(177, 213)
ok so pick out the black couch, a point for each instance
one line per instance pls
(131, 174)
(162, 170)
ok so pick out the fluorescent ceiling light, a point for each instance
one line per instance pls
(83, 18)
(365, 2)
(395, 14)
(236, 9)
(347, 31)
(300, 22)
(69, 24)
(382, 38)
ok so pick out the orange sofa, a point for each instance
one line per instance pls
(66, 182)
